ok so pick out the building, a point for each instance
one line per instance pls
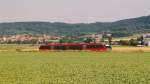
(146, 39)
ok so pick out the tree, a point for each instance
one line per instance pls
(88, 40)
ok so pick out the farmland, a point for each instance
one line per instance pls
(33, 67)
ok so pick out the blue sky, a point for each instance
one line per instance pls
(72, 11)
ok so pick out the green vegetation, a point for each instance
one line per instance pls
(118, 29)
(74, 68)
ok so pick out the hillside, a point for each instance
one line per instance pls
(119, 28)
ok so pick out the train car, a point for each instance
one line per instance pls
(84, 47)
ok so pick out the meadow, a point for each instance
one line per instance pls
(34, 67)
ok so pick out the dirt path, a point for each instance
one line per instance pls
(131, 49)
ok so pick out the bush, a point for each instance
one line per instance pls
(133, 42)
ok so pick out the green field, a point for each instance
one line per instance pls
(74, 68)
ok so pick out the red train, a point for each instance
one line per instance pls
(85, 46)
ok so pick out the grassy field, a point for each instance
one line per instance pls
(74, 67)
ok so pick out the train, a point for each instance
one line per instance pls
(99, 47)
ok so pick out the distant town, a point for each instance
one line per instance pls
(141, 40)
(43, 39)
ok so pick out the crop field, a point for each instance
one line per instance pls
(33, 67)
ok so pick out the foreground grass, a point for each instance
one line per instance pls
(74, 68)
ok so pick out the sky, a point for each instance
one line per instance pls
(72, 11)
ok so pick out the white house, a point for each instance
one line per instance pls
(146, 39)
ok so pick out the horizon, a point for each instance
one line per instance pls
(72, 11)
(74, 23)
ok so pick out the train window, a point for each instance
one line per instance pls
(75, 47)
(90, 46)
(95, 46)
(100, 46)
(59, 47)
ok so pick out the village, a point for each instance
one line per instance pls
(27, 39)
(40, 39)
(107, 38)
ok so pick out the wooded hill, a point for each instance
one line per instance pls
(119, 28)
